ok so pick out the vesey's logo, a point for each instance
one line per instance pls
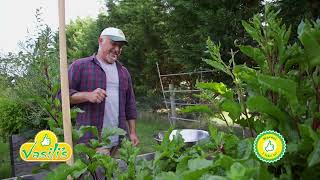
(45, 148)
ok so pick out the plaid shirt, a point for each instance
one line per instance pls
(86, 75)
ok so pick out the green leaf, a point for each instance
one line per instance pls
(75, 135)
(310, 40)
(197, 108)
(300, 29)
(92, 167)
(292, 148)
(57, 131)
(224, 161)
(254, 33)
(196, 174)
(109, 164)
(230, 143)
(308, 133)
(82, 148)
(59, 173)
(314, 157)
(166, 176)
(78, 168)
(143, 175)
(85, 129)
(94, 143)
(283, 86)
(107, 132)
(232, 107)
(215, 136)
(74, 112)
(215, 87)
(263, 105)
(212, 177)
(183, 164)
(247, 75)
(199, 163)
(255, 53)
(87, 177)
(244, 148)
(217, 65)
(237, 171)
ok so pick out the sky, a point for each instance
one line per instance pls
(17, 17)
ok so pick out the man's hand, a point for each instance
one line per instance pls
(96, 96)
(134, 139)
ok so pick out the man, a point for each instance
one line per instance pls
(102, 87)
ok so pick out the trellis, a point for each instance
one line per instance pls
(171, 100)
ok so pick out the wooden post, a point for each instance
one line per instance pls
(12, 157)
(173, 104)
(67, 127)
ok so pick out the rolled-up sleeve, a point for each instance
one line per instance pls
(131, 110)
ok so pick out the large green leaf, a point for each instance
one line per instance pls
(107, 132)
(195, 174)
(247, 75)
(198, 108)
(217, 65)
(263, 105)
(255, 53)
(199, 163)
(94, 143)
(78, 168)
(75, 135)
(310, 40)
(254, 33)
(314, 157)
(85, 129)
(244, 148)
(59, 173)
(82, 148)
(113, 131)
(230, 144)
(183, 164)
(237, 171)
(166, 176)
(285, 87)
(233, 108)
(215, 87)
(224, 161)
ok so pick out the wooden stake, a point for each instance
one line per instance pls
(67, 127)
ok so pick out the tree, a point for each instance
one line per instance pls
(292, 12)
(82, 38)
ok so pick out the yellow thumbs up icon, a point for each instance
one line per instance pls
(45, 141)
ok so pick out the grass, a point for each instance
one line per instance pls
(5, 165)
(149, 124)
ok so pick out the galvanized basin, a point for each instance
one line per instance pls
(190, 136)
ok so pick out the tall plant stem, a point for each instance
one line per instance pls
(240, 94)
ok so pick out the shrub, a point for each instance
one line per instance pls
(14, 117)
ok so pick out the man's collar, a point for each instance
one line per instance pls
(95, 59)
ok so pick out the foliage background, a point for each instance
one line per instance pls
(170, 32)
